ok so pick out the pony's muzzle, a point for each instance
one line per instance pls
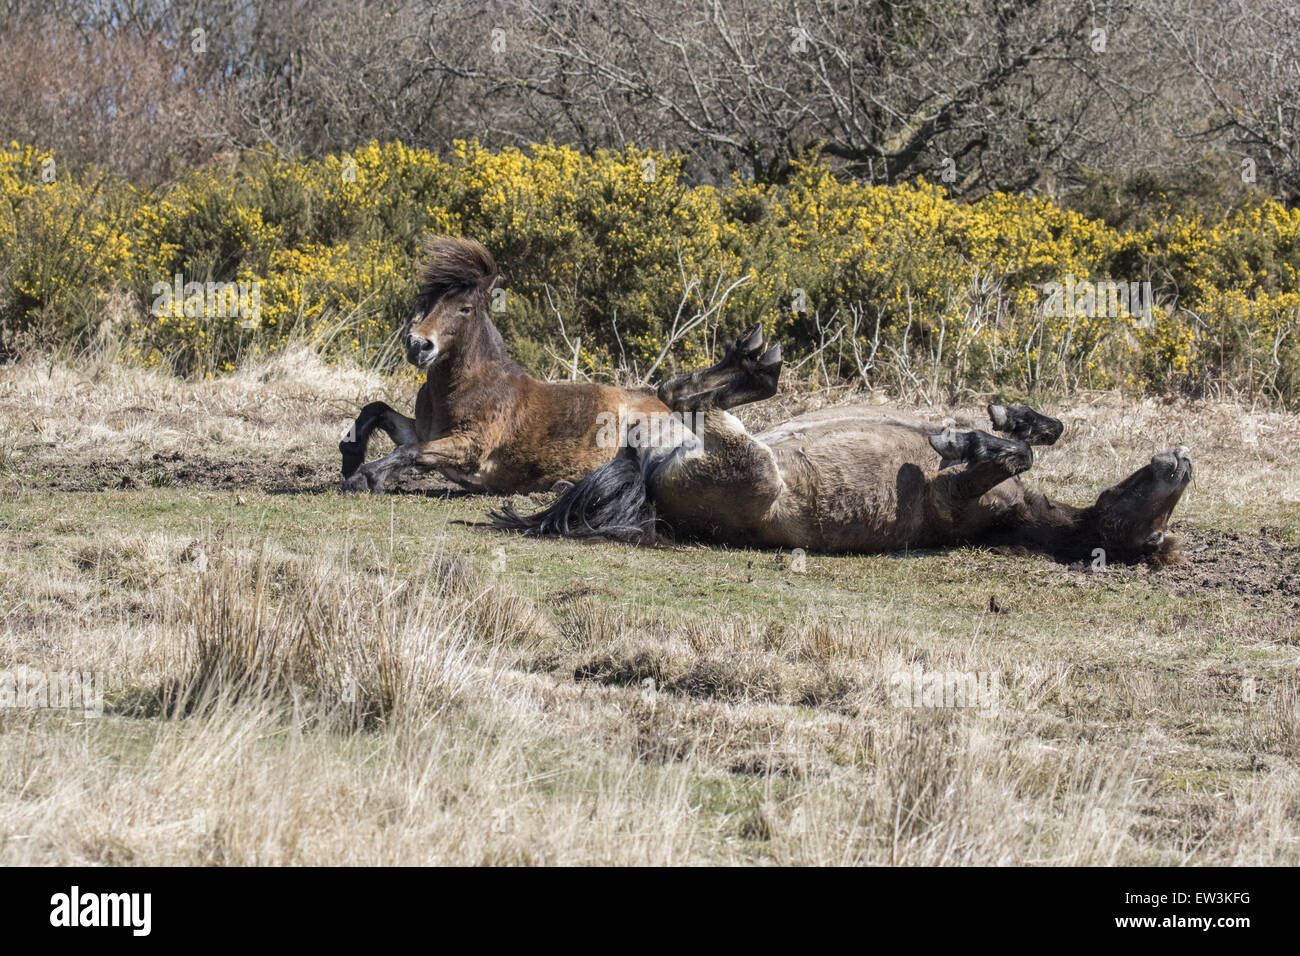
(420, 351)
(1174, 467)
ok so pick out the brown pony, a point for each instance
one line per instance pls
(480, 420)
(859, 479)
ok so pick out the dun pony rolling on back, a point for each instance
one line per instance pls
(480, 420)
(859, 479)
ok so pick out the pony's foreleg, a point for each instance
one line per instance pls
(456, 452)
(353, 445)
(1022, 422)
(399, 427)
(974, 463)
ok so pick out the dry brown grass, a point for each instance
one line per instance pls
(302, 678)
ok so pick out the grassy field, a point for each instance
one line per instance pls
(376, 679)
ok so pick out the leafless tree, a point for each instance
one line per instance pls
(1244, 59)
(978, 94)
(975, 94)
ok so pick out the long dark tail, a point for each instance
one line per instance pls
(611, 502)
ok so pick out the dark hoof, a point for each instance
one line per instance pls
(360, 482)
(751, 341)
(765, 372)
(1013, 454)
(744, 349)
(950, 444)
(353, 457)
(1022, 422)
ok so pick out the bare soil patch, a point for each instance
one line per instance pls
(1261, 564)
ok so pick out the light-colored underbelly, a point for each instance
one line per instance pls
(479, 480)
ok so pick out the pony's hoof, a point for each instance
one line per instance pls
(765, 371)
(1022, 422)
(359, 482)
(744, 350)
(749, 343)
(353, 457)
(951, 444)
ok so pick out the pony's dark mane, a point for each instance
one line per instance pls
(455, 265)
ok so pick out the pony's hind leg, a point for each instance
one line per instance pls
(746, 374)
(1022, 422)
(740, 360)
(725, 484)
(399, 428)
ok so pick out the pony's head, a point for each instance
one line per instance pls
(455, 283)
(1131, 517)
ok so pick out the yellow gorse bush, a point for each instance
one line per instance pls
(876, 278)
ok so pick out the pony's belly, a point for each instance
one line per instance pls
(484, 479)
(472, 482)
(860, 490)
(488, 476)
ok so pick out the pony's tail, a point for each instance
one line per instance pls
(611, 502)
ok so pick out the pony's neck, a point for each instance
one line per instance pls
(479, 346)
(478, 353)
(1052, 526)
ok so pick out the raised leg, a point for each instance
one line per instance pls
(1022, 422)
(399, 428)
(754, 382)
(974, 462)
(680, 386)
(745, 374)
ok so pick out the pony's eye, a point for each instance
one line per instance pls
(464, 310)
